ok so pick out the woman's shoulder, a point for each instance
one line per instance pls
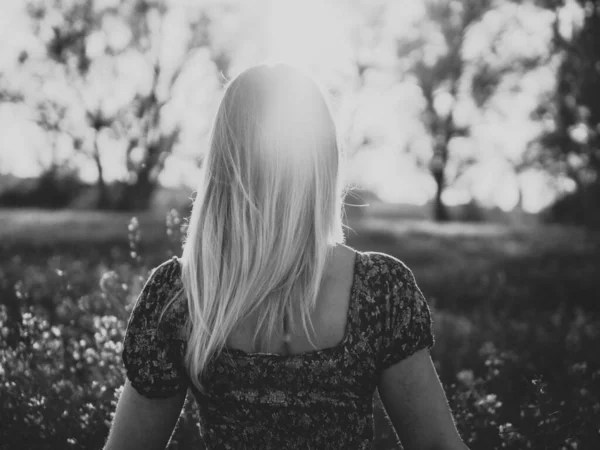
(397, 313)
(167, 274)
(386, 280)
(382, 267)
(161, 299)
(154, 341)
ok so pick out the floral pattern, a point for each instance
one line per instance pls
(319, 399)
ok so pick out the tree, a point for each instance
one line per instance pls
(65, 48)
(440, 75)
(435, 57)
(155, 141)
(98, 121)
(138, 119)
(571, 144)
(65, 28)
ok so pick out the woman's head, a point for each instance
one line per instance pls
(274, 148)
(267, 213)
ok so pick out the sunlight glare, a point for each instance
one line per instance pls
(305, 33)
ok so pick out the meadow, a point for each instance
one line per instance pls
(516, 315)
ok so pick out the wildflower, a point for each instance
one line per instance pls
(90, 355)
(465, 377)
(108, 280)
(133, 224)
(579, 367)
(507, 427)
(490, 398)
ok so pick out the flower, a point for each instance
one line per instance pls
(466, 377)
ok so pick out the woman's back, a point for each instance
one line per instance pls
(307, 398)
(329, 317)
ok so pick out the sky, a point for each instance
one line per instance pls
(323, 37)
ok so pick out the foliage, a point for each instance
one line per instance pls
(570, 145)
(516, 353)
(578, 207)
(436, 54)
(86, 94)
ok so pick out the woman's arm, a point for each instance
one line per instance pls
(414, 399)
(143, 423)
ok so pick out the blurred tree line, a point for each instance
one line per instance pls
(446, 73)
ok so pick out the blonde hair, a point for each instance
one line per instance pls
(267, 214)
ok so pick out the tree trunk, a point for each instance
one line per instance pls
(137, 195)
(437, 167)
(102, 201)
(519, 206)
(440, 212)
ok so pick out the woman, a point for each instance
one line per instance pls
(281, 331)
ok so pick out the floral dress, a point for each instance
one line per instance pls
(318, 399)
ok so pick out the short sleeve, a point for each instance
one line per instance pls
(407, 325)
(152, 350)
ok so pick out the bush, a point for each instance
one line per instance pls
(469, 212)
(55, 188)
(581, 207)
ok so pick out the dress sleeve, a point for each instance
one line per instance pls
(152, 351)
(407, 325)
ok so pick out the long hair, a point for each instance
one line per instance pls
(267, 213)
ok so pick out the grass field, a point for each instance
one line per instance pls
(516, 317)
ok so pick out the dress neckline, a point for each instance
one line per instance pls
(352, 305)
